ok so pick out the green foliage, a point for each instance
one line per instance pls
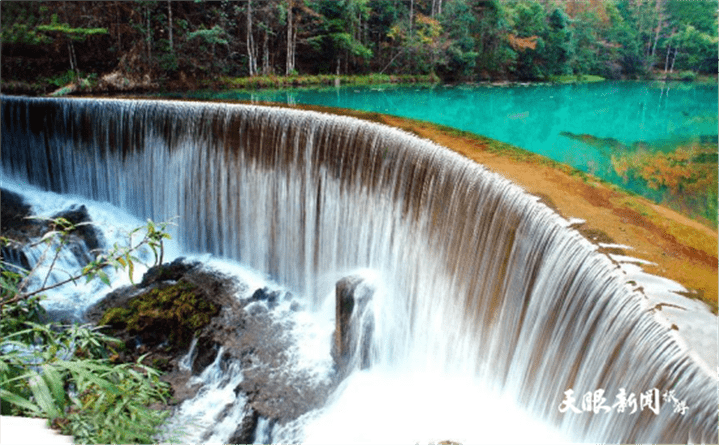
(22, 33)
(687, 76)
(575, 78)
(258, 82)
(698, 51)
(465, 40)
(64, 372)
(65, 29)
(458, 21)
(212, 36)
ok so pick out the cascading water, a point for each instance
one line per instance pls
(484, 291)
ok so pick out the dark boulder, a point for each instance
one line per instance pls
(160, 316)
(17, 228)
(168, 271)
(245, 432)
(83, 229)
(83, 239)
(354, 324)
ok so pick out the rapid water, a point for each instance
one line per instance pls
(490, 308)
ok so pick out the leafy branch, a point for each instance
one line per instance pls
(118, 257)
(66, 373)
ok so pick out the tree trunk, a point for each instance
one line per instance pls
(436, 8)
(412, 9)
(73, 59)
(658, 11)
(290, 53)
(266, 54)
(148, 38)
(667, 58)
(252, 63)
(673, 60)
(170, 26)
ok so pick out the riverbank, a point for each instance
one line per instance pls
(125, 83)
(117, 82)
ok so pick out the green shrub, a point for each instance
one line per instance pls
(65, 373)
(687, 76)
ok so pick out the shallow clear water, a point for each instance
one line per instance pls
(607, 118)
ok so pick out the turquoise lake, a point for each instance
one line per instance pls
(582, 125)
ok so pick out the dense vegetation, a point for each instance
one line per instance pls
(70, 374)
(185, 44)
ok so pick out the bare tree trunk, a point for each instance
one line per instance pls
(412, 9)
(71, 48)
(147, 37)
(667, 58)
(266, 53)
(673, 60)
(294, 46)
(117, 28)
(658, 11)
(436, 8)
(290, 53)
(252, 63)
(73, 60)
(170, 26)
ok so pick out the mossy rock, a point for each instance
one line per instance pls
(171, 314)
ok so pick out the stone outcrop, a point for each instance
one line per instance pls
(354, 324)
(242, 330)
(159, 316)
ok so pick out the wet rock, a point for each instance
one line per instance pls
(84, 240)
(17, 227)
(245, 432)
(354, 324)
(83, 227)
(265, 295)
(13, 211)
(244, 331)
(168, 271)
(160, 316)
(206, 351)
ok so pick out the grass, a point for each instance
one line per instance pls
(575, 78)
(271, 81)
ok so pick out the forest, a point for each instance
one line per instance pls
(189, 44)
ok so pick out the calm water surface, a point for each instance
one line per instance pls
(582, 125)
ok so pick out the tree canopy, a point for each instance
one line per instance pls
(455, 39)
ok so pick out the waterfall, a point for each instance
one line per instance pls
(478, 277)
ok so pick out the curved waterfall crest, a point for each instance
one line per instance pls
(483, 276)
